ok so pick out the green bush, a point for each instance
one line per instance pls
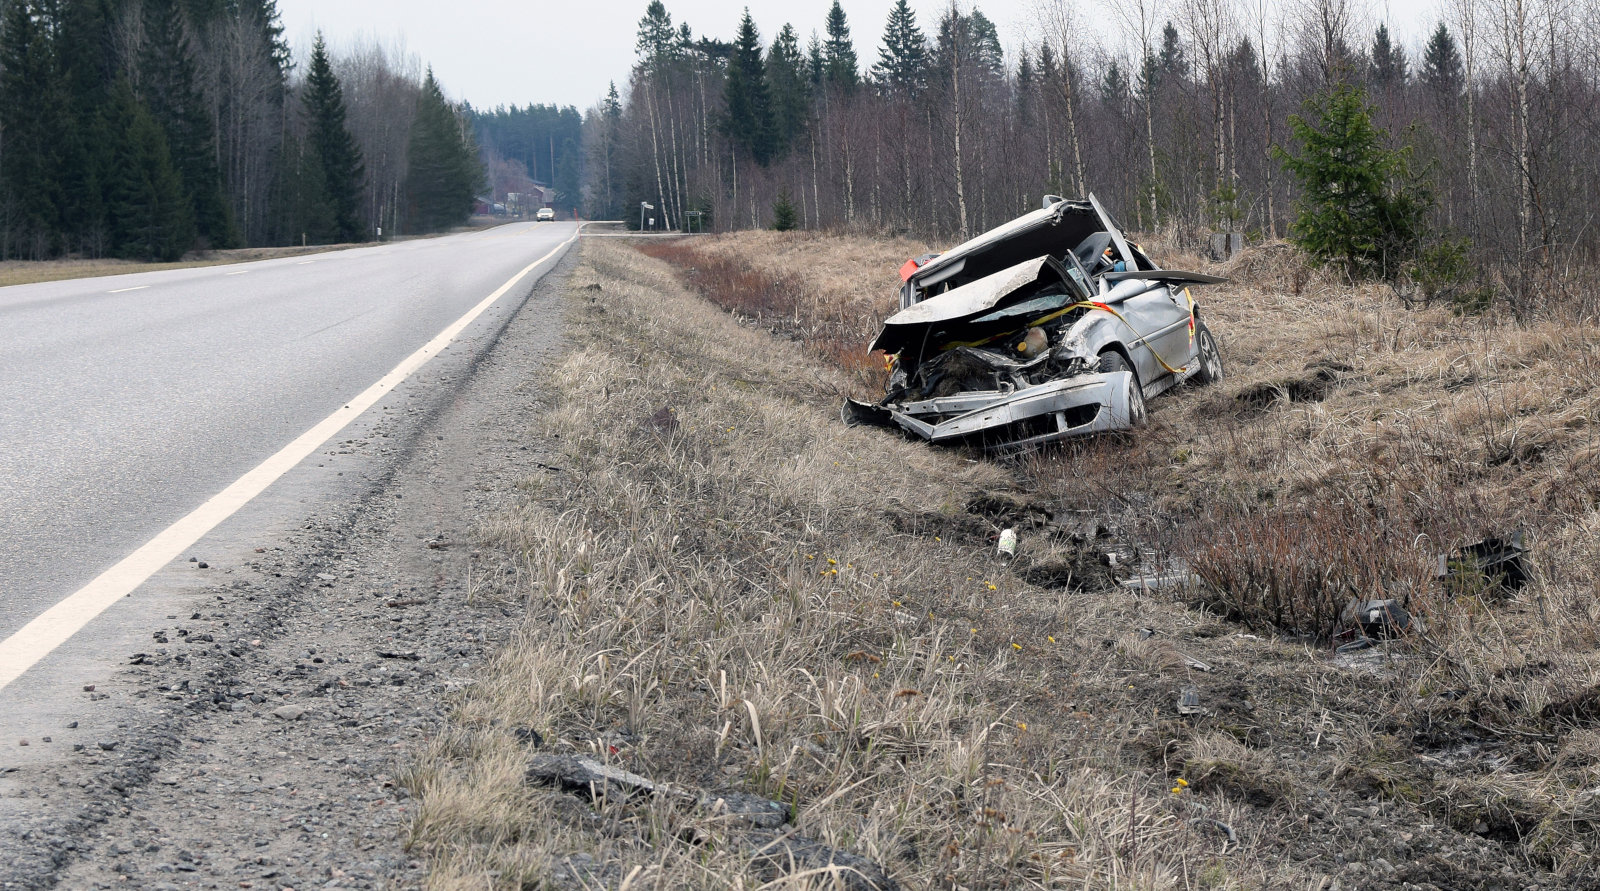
(1360, 207)
(784, 217)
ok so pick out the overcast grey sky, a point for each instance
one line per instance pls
(493, 52)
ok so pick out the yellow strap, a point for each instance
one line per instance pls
(1095, 304)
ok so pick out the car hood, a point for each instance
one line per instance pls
(972, 299)
(1051, 230)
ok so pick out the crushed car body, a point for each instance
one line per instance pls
(1050, 326)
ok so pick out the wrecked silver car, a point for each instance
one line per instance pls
(1050, 326)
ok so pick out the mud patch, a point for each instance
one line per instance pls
(1314, 384)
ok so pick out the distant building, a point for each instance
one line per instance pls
(541, 195)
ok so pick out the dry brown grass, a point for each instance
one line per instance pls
(726, 589)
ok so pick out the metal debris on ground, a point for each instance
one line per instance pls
(1194, 663)
(1494, 563)
(1189, 701)
(1383, 618)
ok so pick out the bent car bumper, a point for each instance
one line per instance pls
(1074, 406)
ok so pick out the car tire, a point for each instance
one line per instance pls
(1208, 355)
(1112, 361)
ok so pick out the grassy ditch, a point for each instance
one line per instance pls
(727, 592)
(1353, 442)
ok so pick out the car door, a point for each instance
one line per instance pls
(1159, 323)
(1157, 312)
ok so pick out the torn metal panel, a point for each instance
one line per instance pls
(1494, 563)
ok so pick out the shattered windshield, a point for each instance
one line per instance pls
(1041, 303)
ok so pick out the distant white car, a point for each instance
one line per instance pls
(545, 215)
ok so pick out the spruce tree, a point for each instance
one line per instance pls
(986, 49)
(1027, 83)
(1171, 60)
(816, 64)
(148, 215)
(332, 148)
(902, 66)
(443, 172)
(658, 40)
(30, 126)
(1389, 66)
(1359, 206)
(839, 52)
(87, 71)
(790, 93)
(167, 87)
(784, 217)
(1441, 65)
(749, 111)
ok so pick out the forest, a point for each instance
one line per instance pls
(1202, 116)
(146, 129)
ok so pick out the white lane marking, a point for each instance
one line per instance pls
(240, 272)
(305, 263)
(126, 290)
(35, 640)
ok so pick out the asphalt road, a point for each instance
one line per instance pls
(125, 402)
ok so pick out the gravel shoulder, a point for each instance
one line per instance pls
(257, 740)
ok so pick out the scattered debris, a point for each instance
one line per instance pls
(1189, 701)
(1382, 618)
(1193, 663)
(575, 773)
(744, 808)
(289, 712)
(1491, 564)
(407, 655)
(1225, 829)
(1008, 543)
(1360, 643)
(1050, 326)
(1147, 582)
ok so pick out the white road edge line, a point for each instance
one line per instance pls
(37, 639)
(126, 290)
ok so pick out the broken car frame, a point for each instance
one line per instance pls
(1050, 326)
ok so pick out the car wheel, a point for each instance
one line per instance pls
(1111, 362)
(1210, 357)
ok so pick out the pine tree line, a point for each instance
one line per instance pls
(1175, 128)
(149, 128)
